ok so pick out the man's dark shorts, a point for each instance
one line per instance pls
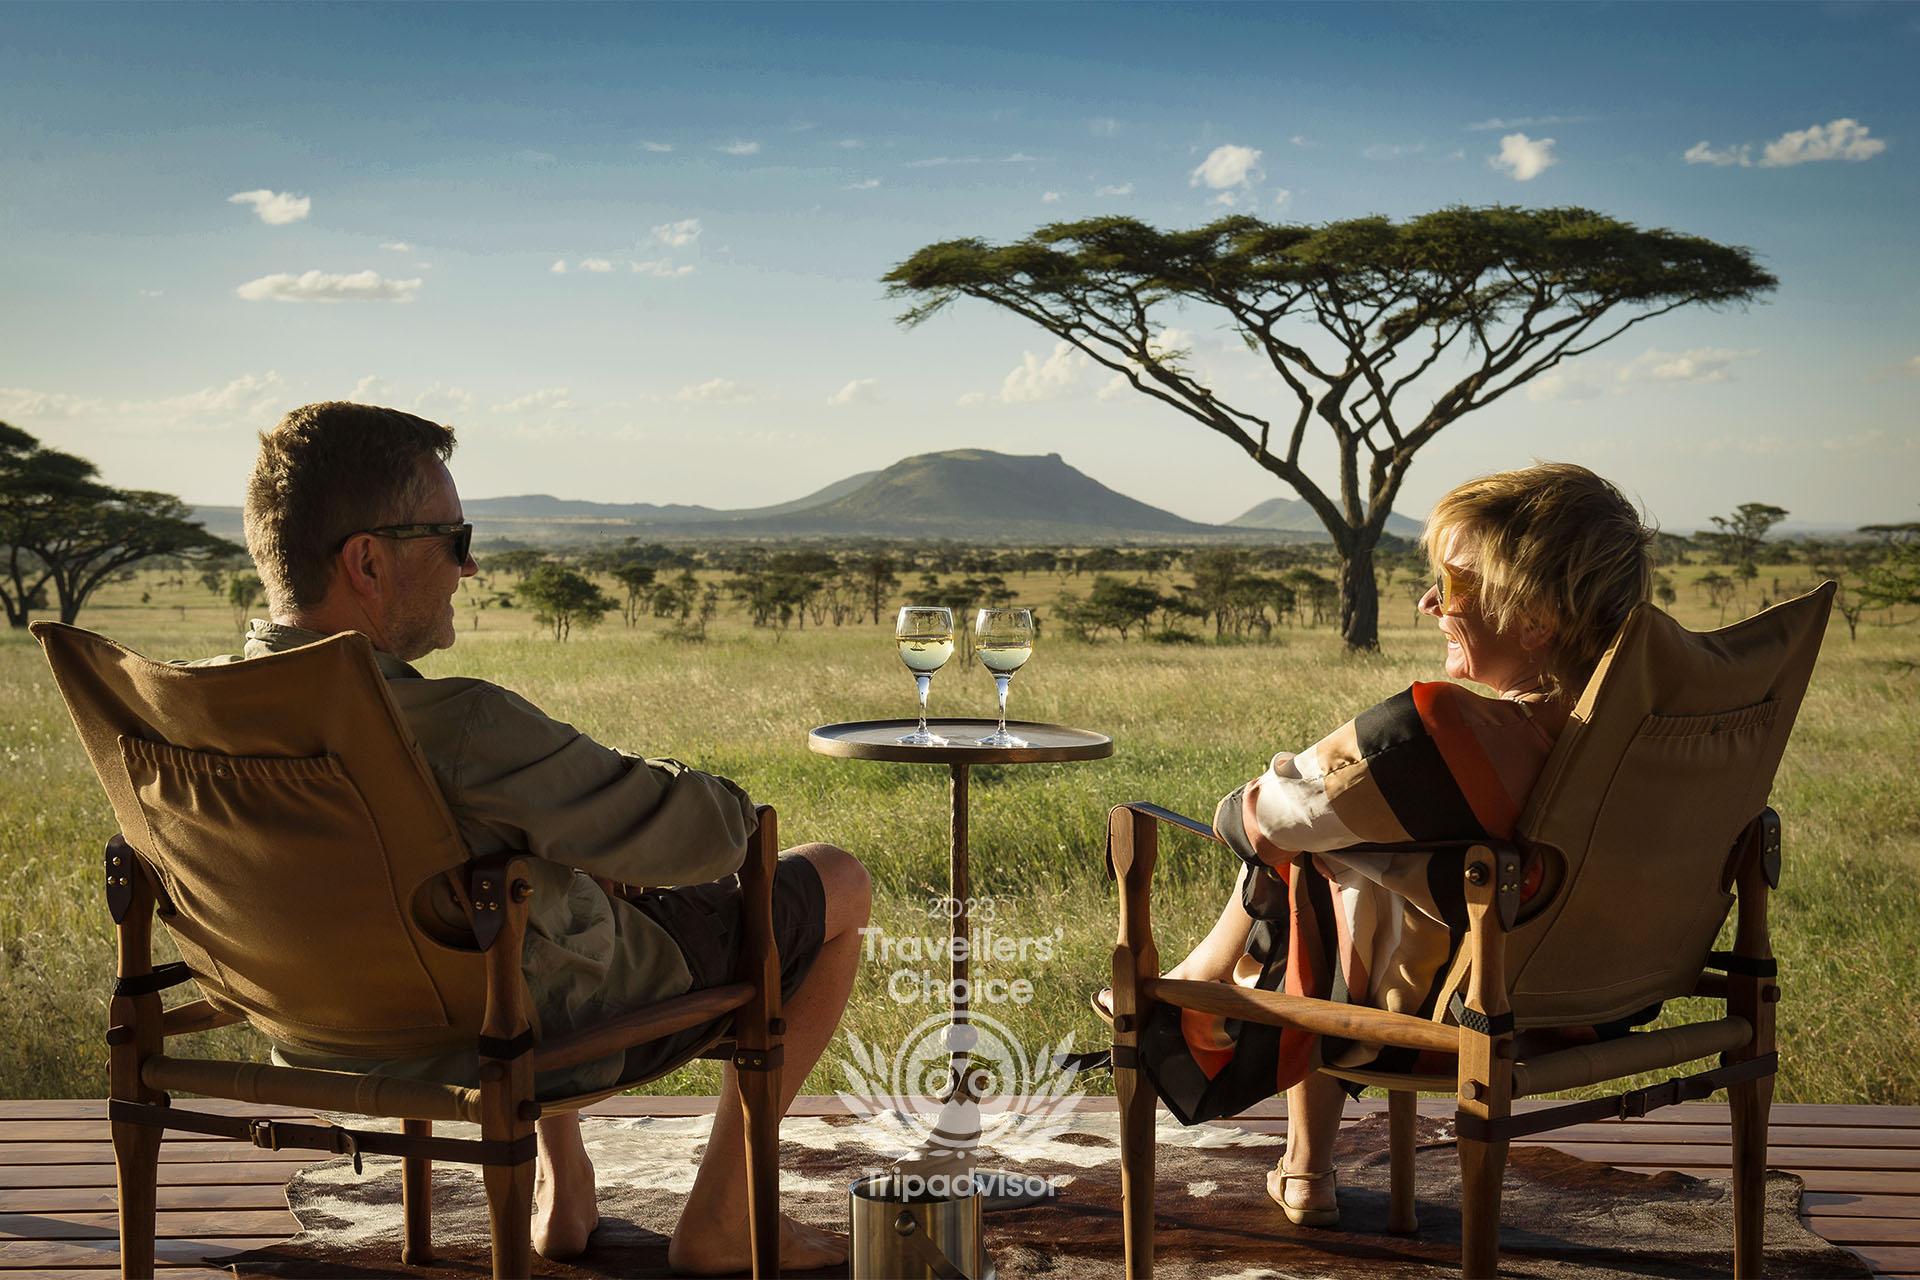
(705, 920)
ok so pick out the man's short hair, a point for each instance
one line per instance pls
(326, 472)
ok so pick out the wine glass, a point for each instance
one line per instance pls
(925, 636)
(1004, 640)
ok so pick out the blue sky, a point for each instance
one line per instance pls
(725, 184)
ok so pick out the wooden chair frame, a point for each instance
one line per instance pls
(1489, 1078)
(142, 1073)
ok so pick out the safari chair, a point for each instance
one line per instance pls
(1651, 814)
(278, 817)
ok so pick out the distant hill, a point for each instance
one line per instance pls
(1294, 516)
(978, 495)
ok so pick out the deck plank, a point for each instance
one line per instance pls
(269, 1194)
(168, 1225)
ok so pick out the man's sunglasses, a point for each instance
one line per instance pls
(462, 535)
(1455, 587)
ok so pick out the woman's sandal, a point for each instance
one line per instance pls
(1303, 1217)
(1102, 1003)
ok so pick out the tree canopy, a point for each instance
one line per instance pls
(61, 527)
(1453, 309)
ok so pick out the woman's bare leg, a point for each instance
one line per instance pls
(1314, 1107)
(565, 1208)
(1225, 943)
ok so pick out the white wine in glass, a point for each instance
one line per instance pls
(1004, 640)
(925, 636)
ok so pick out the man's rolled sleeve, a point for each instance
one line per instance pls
(550, 789)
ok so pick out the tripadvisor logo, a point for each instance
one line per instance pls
(1006, 1099)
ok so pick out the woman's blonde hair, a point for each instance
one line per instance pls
(1555, 545)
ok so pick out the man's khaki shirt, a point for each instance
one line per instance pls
(518, 780)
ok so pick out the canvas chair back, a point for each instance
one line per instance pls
(288, 822)
(1668, 755)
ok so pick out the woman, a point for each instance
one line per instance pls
(1534, 571)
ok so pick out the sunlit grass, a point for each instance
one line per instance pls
(1190, 722)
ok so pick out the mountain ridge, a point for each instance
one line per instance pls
(976, 495)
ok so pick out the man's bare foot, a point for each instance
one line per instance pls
(565, 1206)
(698, 1250)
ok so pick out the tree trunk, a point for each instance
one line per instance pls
(1359, 601)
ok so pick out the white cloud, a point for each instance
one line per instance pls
(865, 184)
(251, 399)
(328, 286)
(715, 391)
(1525, 122)
(1522, 158)
(859, 391)
(1563, 383)
(1840, 140)
(678, 235)
(1119, 189)
(1227, 166)
(397, 246)
(276, 208)
(1103, 126)
(547, 398)
(559, 267)
(851, 144)
(1049, 379)
(1049, 197)
(1226, 200)
(1302, 140)
(658, 148)
(1701, 364)
(971, 399)
(1701, 153)
(741, 148)
(152, 293)
(599, 266)
(662, 267)
(1281, 196)
(936, 162)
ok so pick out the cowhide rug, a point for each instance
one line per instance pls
(1561, 1216)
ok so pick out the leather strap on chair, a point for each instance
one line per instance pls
(167, 975)
(120, 873)
(1745, 966)
(1621, 1106)
(506, 1050)
(275, 1135)
(1474, 1020)
(759, 1059)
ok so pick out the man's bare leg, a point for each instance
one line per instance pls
(565, 1206)
(712, 1237)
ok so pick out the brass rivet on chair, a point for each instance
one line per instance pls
(1476, 873)
(521, 891)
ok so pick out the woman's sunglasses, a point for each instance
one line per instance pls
(1454, 586)
(462, 535)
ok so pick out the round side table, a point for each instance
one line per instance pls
(879, 740)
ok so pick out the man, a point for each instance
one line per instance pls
(355, 525)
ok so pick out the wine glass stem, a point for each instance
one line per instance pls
(1003, 682)
(925, 682)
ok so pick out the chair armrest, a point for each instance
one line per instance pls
(641, 1026)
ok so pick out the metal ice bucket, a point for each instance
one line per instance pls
(896, 1236)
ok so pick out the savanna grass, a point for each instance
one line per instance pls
(1190, 722)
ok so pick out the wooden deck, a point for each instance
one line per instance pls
(1861, 1166)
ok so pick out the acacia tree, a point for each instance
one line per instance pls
(60, 526)
(1384, 332)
